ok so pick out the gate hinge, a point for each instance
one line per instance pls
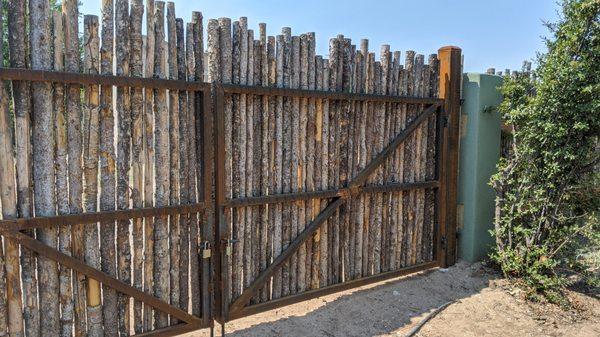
(445, 121)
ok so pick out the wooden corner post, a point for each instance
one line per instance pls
(449, 90)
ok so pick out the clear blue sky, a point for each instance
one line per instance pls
(492, 33)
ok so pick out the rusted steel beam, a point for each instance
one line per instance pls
(363, 175)
(86, 218)
(17, 74)
(79, 266)
(310, 294)
(241, 301)
(274, 91)
(174, 330)
(326, 194)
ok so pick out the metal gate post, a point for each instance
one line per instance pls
(449, 90)
(221, 228)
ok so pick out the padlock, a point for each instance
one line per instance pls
(206, 252)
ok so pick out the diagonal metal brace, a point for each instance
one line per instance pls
(333, 205)
(79, 266)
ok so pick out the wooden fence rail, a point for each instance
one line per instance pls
(149, 187)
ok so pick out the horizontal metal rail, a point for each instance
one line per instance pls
(327, 290)
(20, 74)
(87, 218)
(287, 92)
(326, 194)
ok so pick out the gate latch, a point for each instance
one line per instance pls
(205, 248)
(228, 244)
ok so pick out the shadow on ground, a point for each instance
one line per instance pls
(385, 308)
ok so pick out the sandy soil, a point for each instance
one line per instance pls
(482, 307)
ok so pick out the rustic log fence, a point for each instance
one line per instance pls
(139, 199)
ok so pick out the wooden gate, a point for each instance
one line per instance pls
(329, 174)
(132, 191)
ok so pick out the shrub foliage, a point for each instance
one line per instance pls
(548, 188)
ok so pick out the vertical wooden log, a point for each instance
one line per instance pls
(11, 318)
(43, 173)
(256, 163)
(422, 152)
(401, 159)
(137, 139)
(149, 163)
(449, 90)
(224, 75)
(324, 230)
(277, 160)
(354, 160)
(369, 200)
(21, 91)
(393, 197)
(301, 168)
(107, 171)
(161, 195)
(362, 231)
(274, 174)
(265, 112)
(249, 228)
(123, 106)
(72, 64)
(287, 156)
(61, 176)
(344, 158)
(386, 60)
(378, 139)
(174, 192)
(416, 163)
(409, 158)
(430, 161)
(318, 181)
(240, 63)
(333, 159)
(91, 54)
(295, 158)
(311, 205)
(184, 192)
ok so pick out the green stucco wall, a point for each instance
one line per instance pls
(479, 153)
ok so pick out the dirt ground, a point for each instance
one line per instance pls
(482, 307)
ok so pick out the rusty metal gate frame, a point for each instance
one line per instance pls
(12, 228)
(213, 202)
(224, 311)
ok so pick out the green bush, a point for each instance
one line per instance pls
(548, 188)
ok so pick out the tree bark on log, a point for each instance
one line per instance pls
(409, 157)
(174, 192)
(303, 119)
(123, 106)
(249, 129)
(312, 206)
(107, 171)
(137, 159)
(287, 155)
(91, 54)
(324, 231)
(149, 163)
(11, 319)
(193, 160)
(21, 93)
(295, 158)
(333, 159)
(162, 159)
(43, 174)
(277, 164)
(239, 57)
(61, 176)
(184, 192)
